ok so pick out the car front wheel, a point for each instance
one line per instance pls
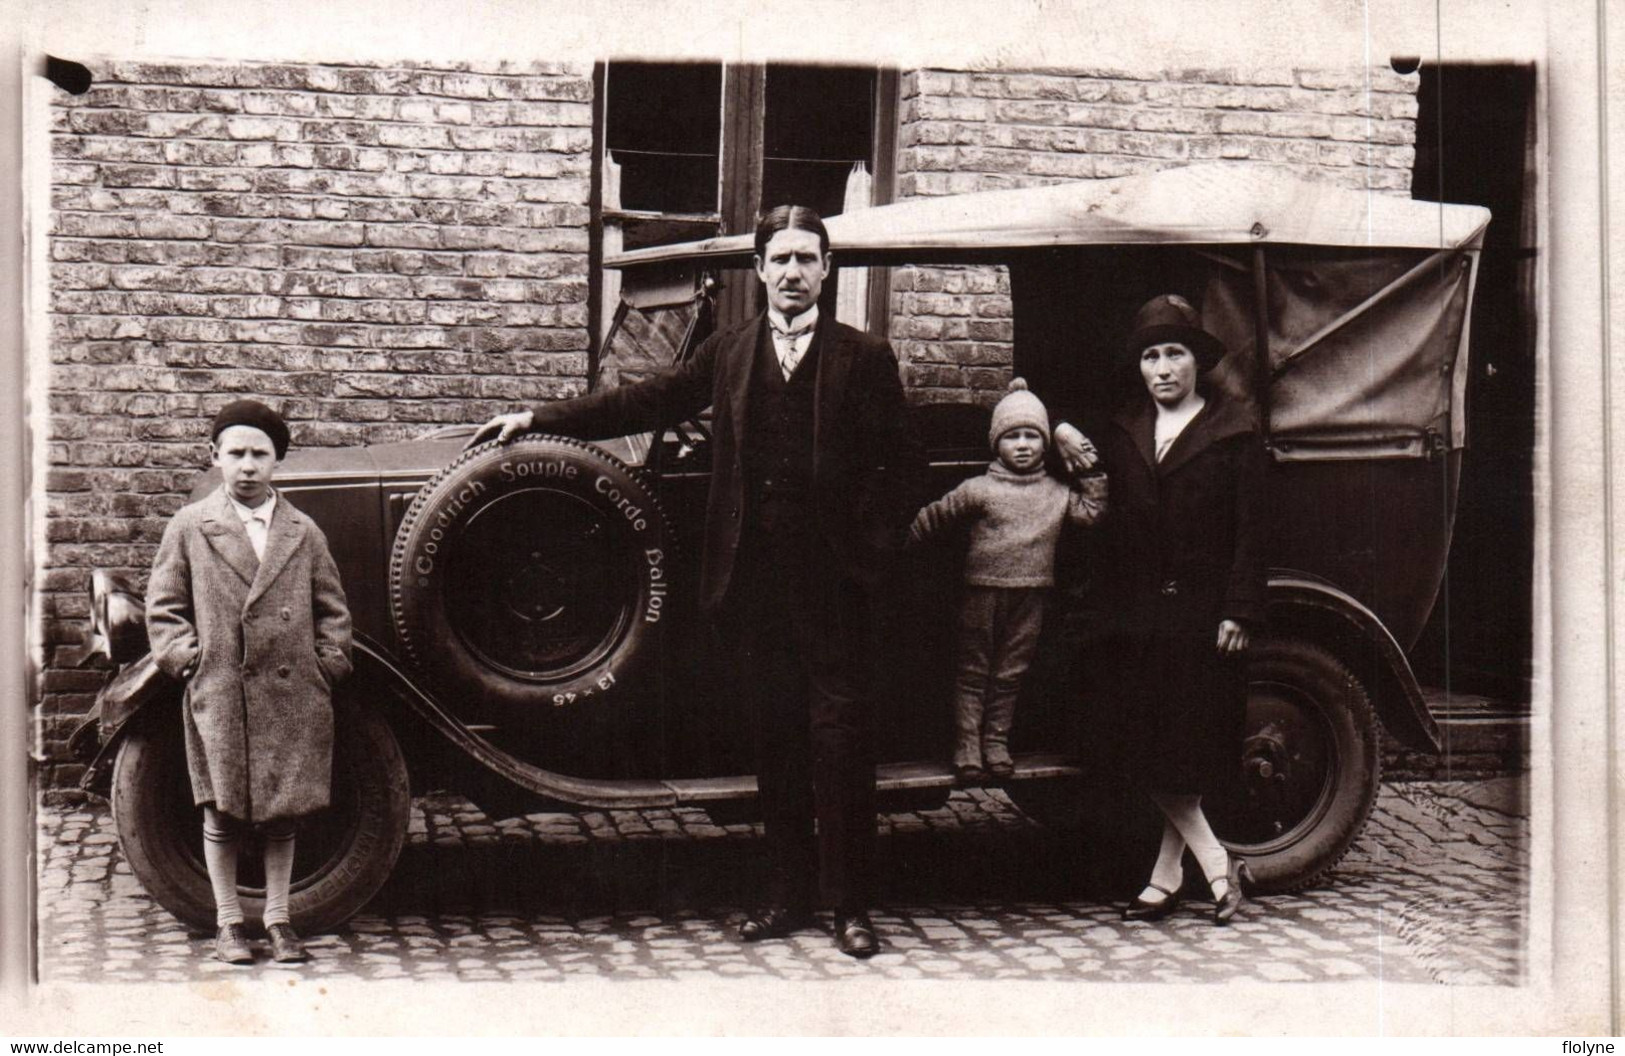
(342, 855)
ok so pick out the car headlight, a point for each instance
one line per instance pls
(118, 619)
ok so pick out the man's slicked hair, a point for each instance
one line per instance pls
(786, 217)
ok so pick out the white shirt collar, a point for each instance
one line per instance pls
(261, 513)
(809, 318)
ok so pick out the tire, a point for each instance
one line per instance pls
(531, 575)
(342, 856)
(1310, 766)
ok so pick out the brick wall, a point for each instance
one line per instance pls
(376, 250)
(382, 249)
(963, 132)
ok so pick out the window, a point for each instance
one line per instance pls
(692, 150)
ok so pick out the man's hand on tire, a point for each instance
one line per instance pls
(502, 428)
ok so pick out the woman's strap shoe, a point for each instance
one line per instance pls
(1239, 878)
(1140, 909)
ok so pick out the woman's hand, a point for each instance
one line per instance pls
(502, 428)
(1232, 637)
(1076, 450)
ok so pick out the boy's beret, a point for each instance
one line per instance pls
(256, 414)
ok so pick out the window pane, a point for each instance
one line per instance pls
(819, 112)
(646, 343)
(818, 184)
(663, 123)
(818, 124)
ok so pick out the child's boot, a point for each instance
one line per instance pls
(996, 722)
(968, 740)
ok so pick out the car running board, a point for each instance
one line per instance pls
(889, 777)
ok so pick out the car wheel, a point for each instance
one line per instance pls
(1310, 766)
(531, 575)
(342, 855)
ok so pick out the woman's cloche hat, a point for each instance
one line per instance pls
(1169, 318)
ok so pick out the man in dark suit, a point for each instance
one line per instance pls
(814, 477)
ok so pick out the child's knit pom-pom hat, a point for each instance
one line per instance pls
(1018, 408)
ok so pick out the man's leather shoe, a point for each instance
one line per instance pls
(285, 944)
(855, 935)
(231, 945)
(773, 923)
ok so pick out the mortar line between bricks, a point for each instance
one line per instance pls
(69, 135)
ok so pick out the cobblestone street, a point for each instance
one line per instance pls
(1435, 890)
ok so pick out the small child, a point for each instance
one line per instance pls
(245, 607)
(1016, 510)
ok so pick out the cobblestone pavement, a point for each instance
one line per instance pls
(1434, 890)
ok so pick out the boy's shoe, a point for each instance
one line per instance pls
(969, 776)
(1002, 770)
(285, 945)
(231, 945)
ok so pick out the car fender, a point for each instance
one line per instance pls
(137, 689)
(375, 664)
(1337, 620)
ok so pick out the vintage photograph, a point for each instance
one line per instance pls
(643, 518)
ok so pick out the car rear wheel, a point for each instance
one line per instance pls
(1307, 782)
(1310, 766)
(342, 855)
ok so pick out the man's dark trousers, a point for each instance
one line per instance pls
(800, 644)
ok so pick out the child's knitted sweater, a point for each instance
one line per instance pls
(1016, 521)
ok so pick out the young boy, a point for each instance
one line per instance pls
(1016, 511)
(245, 607)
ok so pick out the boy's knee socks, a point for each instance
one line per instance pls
(278, 874)
(220, 844)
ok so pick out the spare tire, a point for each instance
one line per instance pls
(531, 575)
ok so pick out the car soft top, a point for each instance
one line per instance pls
(1199, 204)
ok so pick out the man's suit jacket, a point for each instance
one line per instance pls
(866, 462)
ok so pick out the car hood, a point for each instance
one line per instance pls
(408, 461)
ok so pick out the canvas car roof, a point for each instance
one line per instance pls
(1215, 203)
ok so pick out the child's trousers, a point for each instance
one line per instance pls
(998, 634)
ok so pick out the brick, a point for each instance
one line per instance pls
(214, 180)
(1264, 75)
(1185, 121)
(1331, 79)
(1069, 166)
(928, 82)
(940, 109)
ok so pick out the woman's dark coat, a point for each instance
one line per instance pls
(1185, 550)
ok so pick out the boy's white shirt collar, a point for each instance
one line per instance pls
(256, 521)
(261, 513)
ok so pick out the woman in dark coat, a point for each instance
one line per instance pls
(1186, 580)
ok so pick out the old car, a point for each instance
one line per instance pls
(526, 631)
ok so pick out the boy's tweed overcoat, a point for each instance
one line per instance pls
(270, 638)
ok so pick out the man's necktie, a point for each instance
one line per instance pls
(785, 341)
